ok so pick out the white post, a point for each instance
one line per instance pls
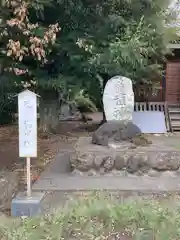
(28, 165)
(27, 113)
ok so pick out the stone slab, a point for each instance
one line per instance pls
(27, 206)
(158, 144)
(61, 164)
(63, 182)
(144, 120)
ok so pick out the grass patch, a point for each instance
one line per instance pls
(98, 217)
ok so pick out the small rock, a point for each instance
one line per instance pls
(153, 173)
(169, 174)
(83, 162)
(91, 172)
(178, 172)
(112, 145)
(132, 165)
(141, 140)
(132, 146)
(132, 175)
(99, 161)
(101, 171)
(109, 164)
(109, 174)
(119, 162)
(77, 172)
(122, 173)
(139, 173)
(3, 180)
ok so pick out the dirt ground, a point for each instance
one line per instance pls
(13, 168)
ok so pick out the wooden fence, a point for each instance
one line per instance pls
(149, 106)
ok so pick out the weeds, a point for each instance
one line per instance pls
(99, 217)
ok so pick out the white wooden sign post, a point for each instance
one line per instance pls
(27, 115)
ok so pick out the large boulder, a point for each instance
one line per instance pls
(115, 130)
(120, 162)
(165, 161)
(137, 162)
(82, 161)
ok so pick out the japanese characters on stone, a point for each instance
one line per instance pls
(118, 99)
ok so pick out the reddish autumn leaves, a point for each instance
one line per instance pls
(27, 44)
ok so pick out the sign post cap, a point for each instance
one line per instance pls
(26, 91)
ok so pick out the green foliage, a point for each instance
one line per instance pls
(8, 108)
(8, 100)
(126, 37)
(84, 103)
(97, 39)
(99, 216)
(110, 37)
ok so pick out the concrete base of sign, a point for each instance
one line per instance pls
(23, 206)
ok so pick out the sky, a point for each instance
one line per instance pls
(176, 5)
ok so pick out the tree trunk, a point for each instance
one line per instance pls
(49, 112)
(104, 116)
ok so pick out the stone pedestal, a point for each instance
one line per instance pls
(89, 157)
(27, 206)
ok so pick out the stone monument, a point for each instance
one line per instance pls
(118, 99)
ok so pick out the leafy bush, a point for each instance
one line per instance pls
(8, 108)
(97, 217)
(84, 103)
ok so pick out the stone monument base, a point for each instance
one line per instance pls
(117, 157)
(23, 206)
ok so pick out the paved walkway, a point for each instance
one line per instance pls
(60, 182)
(59, 185)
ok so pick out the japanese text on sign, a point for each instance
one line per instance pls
(27, 106)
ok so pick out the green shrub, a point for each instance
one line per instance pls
(8, 107)
(98, 216)
(84, 103)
